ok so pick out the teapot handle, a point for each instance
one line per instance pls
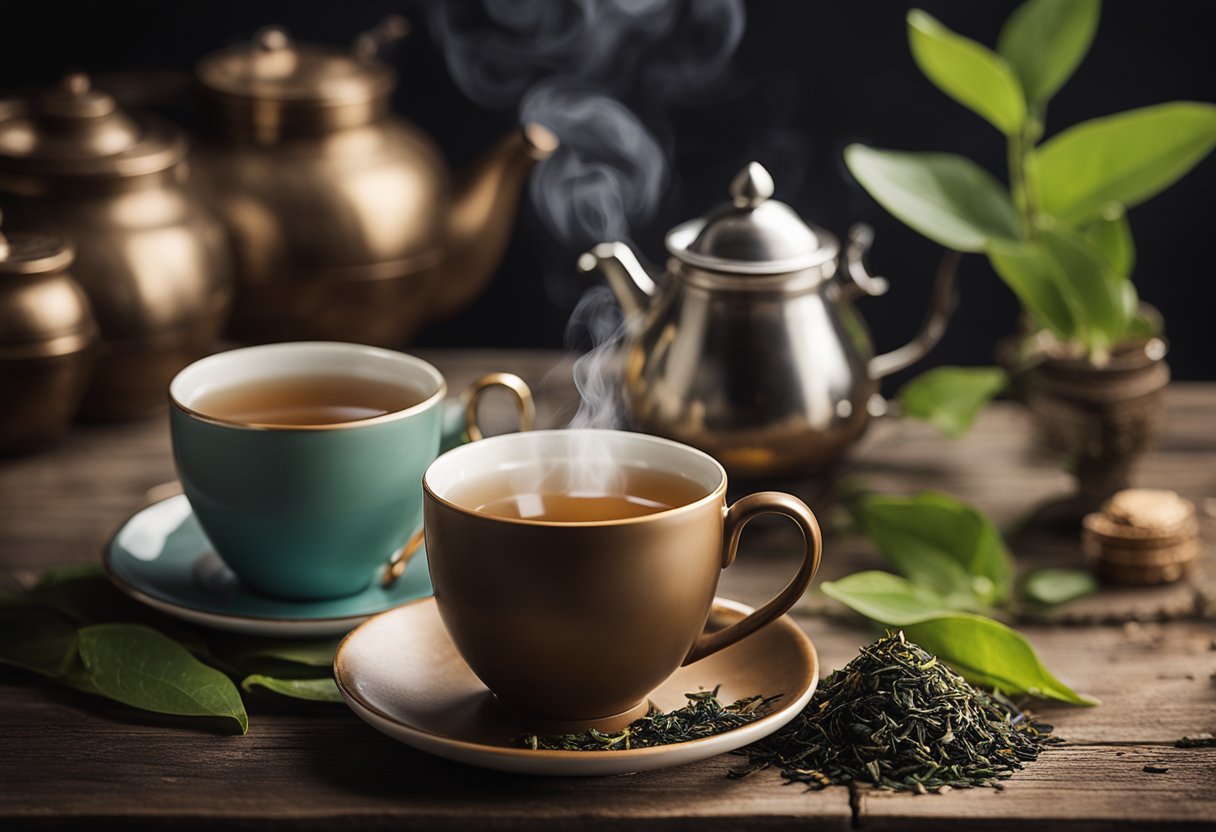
(941, 305)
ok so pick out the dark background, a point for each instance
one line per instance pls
(807, 79)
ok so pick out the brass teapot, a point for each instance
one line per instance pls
(344, 220)
(153, 262)
(749, 346)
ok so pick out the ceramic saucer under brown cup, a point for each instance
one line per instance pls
(572, 618)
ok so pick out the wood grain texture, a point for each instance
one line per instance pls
(72, 761)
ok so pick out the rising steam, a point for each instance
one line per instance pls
(571, 66)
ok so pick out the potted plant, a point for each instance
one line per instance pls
(1091, 362)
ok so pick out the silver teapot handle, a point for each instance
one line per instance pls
(941, 305)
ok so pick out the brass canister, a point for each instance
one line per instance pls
(47, 341)
(153, 262)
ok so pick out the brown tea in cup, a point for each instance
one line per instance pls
(633, 492)
(307, 400)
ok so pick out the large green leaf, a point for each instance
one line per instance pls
(138, 666)
(313, 690)
(948, 198)
(1112, 236)
(1067, 284)
(886, 598)
(1124, 158)
(1045, 40)
(984, 651)
(971, 74)
(1022, 268)
(950, 397)
(1096, 294)
(988, 653)
(938, 542)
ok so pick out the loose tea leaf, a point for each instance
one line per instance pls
(313, 690)
(139, 666)
(703, 716)
(1201, 741)
(1056, 586)
(898, 718)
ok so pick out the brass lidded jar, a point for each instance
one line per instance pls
(47, 340)
(153, 262)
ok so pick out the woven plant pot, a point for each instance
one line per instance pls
(1098, 419)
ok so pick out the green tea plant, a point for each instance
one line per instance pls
(1058, 235)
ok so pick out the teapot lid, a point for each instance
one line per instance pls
(23, 252)
(75, 130)
(275, 68)
(752, 234)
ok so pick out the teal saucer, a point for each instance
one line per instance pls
(161, 558)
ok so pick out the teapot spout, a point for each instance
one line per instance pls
(482, 214)
(628, 279)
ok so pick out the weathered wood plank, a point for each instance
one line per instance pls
(70, 760)
(1090, 788)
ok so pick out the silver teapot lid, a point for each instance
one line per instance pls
(752, 234)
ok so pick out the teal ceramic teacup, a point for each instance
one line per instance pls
(310, 512)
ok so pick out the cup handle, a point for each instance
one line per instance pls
(472, 396)
(737, 516)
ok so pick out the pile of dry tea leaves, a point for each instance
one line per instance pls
(703, 716)
(898, 718)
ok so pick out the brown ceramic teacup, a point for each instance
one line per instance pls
(569, 608)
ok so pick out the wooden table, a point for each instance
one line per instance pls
(69, 760)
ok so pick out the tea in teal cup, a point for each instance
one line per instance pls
(303, 461)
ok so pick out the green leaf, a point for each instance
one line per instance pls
(950, 397)
(1125, 158)
(1095, 293)
(140, 667)
(984, 651)
(948, 198)
(1044, 42)
(1067, 285)
(1056, 586)
(313, 653)
(36, 639)
(938, 542)
(988, 653)
(1021, 266)
(314, 690)
(1112, 236)
(971, 74)
(57, 575)
(886, 598)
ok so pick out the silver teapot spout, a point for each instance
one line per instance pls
(631, 281)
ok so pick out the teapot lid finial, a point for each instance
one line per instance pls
(751, 186)
(752, 234)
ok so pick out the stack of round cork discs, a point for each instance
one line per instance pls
(1142, 536)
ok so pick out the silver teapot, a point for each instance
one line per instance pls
(749, 347)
